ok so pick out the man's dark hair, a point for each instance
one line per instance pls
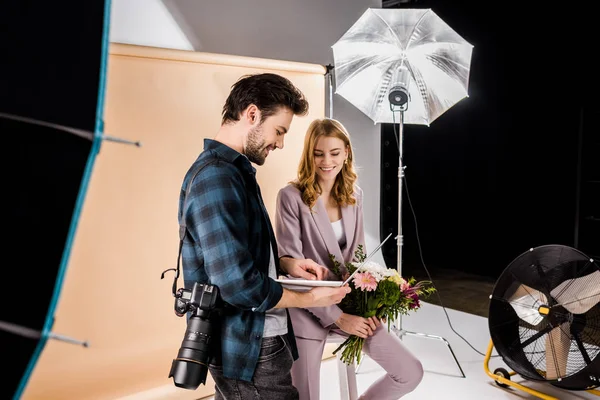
(268, 92)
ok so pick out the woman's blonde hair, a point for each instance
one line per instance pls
(343, 188)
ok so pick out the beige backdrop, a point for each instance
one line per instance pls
(128, 234)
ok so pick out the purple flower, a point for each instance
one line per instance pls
(415, 301)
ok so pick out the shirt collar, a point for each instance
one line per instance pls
(229, 154)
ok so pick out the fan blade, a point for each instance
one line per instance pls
(525, 300)
(580, 294)
(558, 343)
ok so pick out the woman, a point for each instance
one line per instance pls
(318, 214)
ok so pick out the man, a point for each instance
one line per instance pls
(230, 243)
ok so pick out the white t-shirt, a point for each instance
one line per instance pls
(275, 318)
(340, 235)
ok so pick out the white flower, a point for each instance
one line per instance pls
(378, 271)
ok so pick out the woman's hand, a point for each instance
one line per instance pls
(359, 326)
(305, 269)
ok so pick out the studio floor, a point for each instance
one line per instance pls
(465, 297)
(442, 378)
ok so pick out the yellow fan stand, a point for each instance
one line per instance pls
(502, 378)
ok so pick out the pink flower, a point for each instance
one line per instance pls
(404, 285)
(365, 281)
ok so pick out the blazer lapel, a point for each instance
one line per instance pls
(321, 219)
(348, 224)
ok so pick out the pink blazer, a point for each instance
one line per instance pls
(302, 233)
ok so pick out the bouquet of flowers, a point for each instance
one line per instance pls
(376, 291)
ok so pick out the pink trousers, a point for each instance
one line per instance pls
(403, 371)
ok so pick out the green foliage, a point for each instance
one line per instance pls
(393, 297)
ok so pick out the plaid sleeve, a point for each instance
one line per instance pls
(217, 217)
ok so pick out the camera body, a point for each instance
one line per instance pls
(201, 337)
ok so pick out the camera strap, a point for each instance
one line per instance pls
(183, 227)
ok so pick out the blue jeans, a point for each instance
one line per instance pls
(272, 378)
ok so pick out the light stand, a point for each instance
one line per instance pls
(330, 78)
(399, 99)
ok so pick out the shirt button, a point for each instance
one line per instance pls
(258, 336)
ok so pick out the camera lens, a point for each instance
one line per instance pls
(190, 368)
(188, 374)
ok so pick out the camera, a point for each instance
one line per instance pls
(201, 341)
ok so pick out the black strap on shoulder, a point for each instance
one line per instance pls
(183, 226)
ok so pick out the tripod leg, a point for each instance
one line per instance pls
(402, 332)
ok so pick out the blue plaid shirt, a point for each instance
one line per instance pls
(227, 244)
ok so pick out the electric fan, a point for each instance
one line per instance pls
(544, 319)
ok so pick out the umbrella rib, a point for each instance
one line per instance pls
(78, 132)
(33, 334)
(390, 28)
(444, 42)
(415, 28)
(360, 69)
(422, 87)
(20, 330)
(450, 61)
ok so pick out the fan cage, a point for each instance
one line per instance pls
(544, 317)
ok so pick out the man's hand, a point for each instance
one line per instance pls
(321, 296)
(326, 296)
(305, 269)
(359, 326)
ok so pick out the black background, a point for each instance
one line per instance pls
(497, 173)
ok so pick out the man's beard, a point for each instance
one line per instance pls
(255, 146)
